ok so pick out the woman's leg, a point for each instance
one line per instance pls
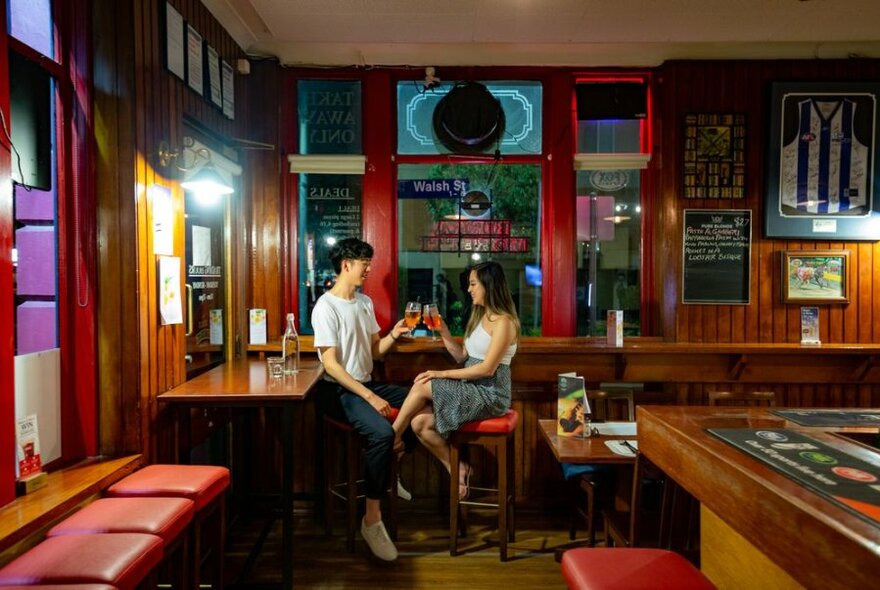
(418, 398)
(423, 426)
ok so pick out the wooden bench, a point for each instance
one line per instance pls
(23, 520)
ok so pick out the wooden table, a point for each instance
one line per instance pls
(588, 450)
(245, 383)
(760, 528)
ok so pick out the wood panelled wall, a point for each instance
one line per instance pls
(743, 87)
(138, 104)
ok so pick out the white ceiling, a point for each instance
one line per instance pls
(547, 32)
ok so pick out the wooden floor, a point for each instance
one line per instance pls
(424, 562)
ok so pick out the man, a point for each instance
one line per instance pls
(347, 340)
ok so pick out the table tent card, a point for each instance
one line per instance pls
(573, 406)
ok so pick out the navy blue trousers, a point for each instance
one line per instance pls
(341, 404)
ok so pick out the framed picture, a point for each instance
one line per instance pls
(815, 276)
(822, 166)
(714, 156)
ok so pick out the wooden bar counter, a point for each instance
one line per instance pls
(541, 359)
(759, 528)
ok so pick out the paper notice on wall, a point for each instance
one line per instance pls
(28, 446)
(163, 220)
(170, 303)
(201, 246)
(216, 326)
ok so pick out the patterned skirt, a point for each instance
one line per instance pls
(457, 401)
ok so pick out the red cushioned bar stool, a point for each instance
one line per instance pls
(495, 434)
(205, 485)
(339, 437)
(167, 518)
(125, 561)
(621, 568)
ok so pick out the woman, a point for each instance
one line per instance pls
(441, 401)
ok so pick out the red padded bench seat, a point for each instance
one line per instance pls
(621, 568)
(122, 560)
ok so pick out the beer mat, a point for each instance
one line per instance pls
(831, 417)
(619, 448)
(837, 476)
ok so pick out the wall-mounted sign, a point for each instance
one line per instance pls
(445, 188)
(194, 70)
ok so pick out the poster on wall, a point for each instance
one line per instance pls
(174, 47)
(228, 86)
(214, 81)
(170, 302)
(194, 71)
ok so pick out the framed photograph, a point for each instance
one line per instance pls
(822, 166)
(815, 276)
(714, 156)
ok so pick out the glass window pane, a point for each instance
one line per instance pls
(451, 216)
(618, 136)
(36, 244)
(330, 209)
(30, 21)
(330, 118)
(521, 101)
(608, 249)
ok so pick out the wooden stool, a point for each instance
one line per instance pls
(341, 434)
(495, 434)
(630, 569)
(205, 485)
(122, 560)
(167, 518)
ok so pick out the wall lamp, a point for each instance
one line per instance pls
(205, 181)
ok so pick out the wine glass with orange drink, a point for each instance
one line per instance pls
(411, 316)
(431, 317)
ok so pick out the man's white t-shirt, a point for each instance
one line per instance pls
(347, 325)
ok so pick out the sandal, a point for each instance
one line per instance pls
(464, 487)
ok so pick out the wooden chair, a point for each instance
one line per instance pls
(611, 405)
(640, 525)
(742, 398)
(586, 491)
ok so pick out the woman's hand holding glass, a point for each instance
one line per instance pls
(431, 318)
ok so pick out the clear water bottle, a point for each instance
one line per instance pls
(290, 348)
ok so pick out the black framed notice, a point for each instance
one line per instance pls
(716, 253)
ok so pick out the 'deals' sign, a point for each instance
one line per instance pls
(437, 188)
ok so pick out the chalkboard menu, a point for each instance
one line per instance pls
(716, 251)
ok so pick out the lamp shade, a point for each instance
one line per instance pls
(207, 181)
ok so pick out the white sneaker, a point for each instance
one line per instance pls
(377, 538)
(402, 492)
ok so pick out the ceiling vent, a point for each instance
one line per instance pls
(468, 120)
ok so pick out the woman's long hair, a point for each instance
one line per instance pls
(497, 300)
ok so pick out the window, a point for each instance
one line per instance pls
(520, 101)
(612, 150)
(451, 216)
(329, 195)
(455, 210)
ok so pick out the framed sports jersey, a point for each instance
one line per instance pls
(822, 165)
